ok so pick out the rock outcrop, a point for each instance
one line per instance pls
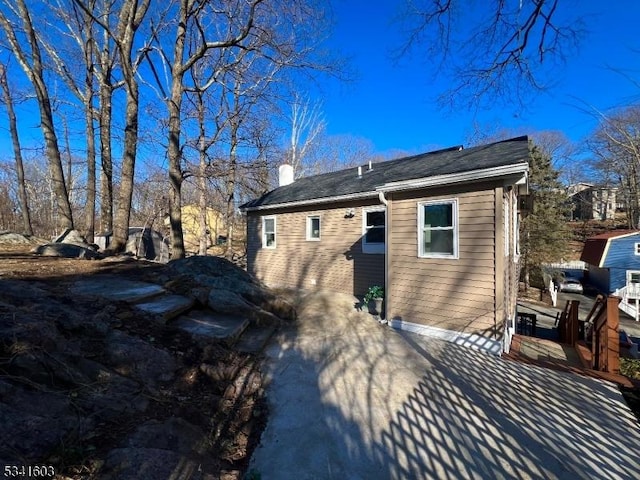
(99, 388)
(71, 244)
(223, 287)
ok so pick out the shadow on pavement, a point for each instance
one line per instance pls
(351, 399)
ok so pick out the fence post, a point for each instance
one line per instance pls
(553, 292)
(612, 360)
(573, 322)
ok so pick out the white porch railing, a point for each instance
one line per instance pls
(630, 300)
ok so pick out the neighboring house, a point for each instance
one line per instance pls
(437, 230)
(614, 260)
(593, 202)
(191, 227)
(215, 227)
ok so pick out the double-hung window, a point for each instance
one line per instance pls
(438, 229)
(373, 229)
(269, 232)
(313, 228)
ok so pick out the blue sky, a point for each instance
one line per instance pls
(394, 105)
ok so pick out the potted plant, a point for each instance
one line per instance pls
(373, 299)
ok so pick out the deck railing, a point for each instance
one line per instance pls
(569, 324)
(602, 329)
(629, 300)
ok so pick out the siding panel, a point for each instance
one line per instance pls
(455, 294)
(335, 262)
(620, 258)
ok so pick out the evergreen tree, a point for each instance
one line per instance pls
(544, 232)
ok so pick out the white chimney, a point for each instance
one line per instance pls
(285, 175)
(359, 171)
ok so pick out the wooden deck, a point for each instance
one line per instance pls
(559, 356)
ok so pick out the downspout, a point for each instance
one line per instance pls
(385, 202)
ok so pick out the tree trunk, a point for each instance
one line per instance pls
(175, 170)
(202, 181)
(123, 213)
(15, 140)
(69, 177)
(106, 176)
(90, 207)
(230, 190)
(32, 65)
(55, 161)
(174, 153)
(131, 15)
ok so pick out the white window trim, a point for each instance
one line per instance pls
(507, 220)
(420, 227)
(372, 248)
(309, 224)
(275, 232)
(516, 231)
(636, 248)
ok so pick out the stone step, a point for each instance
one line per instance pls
(207, 325)
(117, 290)
(255, 338)
(166, 307)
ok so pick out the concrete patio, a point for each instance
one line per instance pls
(352, 399)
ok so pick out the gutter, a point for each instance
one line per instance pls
(314, 201)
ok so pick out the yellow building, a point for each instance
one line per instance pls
(191, 227)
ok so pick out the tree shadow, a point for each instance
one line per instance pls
(353, 399)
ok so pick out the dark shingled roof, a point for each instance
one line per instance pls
(441, 162)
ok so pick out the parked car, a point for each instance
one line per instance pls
(570, 285)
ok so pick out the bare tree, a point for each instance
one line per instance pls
(96, 28)
(335, 152)
(104, 68)
(29, 57)
(247, 87)
(492, 49)
(237, 22)
(73, 22)
(17, 152)
(204, 141)
(203, 145)
(306, 123)
(616, 143)
(130, 17)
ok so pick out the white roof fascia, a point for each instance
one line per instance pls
(630, 234)
(605, 252)
(471, 176)
(315, 201)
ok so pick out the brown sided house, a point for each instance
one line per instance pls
(437, 230)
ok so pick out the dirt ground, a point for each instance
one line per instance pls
(233, 423)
